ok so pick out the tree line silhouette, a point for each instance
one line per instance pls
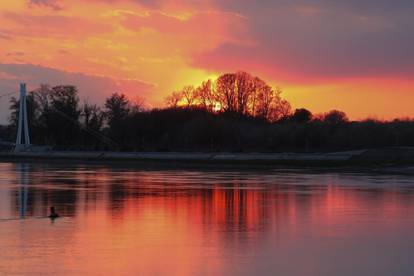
(238, 93)
(237, 112)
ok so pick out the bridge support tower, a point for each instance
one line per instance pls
(23, 137)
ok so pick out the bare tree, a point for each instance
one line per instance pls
(264, 99)
(188, 95)
(245, 88)
(137, 105)
(42, 96)
(92, 116)
(285, 109)
(225, 92)
(234, 92)
(204, 95)
(173, 100)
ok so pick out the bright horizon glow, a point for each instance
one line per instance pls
(153, 48)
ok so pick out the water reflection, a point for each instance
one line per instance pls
(23, 189)
(127, 220)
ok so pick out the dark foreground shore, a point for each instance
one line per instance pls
(359, 157)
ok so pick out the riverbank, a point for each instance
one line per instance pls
(358, 157)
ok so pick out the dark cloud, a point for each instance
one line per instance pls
(321, 38)
(359, 6)
(53, 4)
(145, 3)
(149, 3)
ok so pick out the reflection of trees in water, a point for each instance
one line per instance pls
(118, 194)
(37, 191)
(234, 205)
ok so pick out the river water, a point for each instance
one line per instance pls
(126, 220)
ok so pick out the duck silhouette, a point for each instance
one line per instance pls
(53, 213)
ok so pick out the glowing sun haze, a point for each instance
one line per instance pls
(354, 55)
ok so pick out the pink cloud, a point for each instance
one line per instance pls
(53, 4)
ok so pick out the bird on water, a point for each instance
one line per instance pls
(53, 213)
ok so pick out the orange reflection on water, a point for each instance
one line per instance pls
(155, 222)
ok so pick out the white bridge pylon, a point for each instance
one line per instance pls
(23, 137)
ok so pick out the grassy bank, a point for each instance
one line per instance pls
(361, 157)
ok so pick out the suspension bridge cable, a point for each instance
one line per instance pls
(91, 131)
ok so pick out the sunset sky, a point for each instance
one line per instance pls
(354, 55)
